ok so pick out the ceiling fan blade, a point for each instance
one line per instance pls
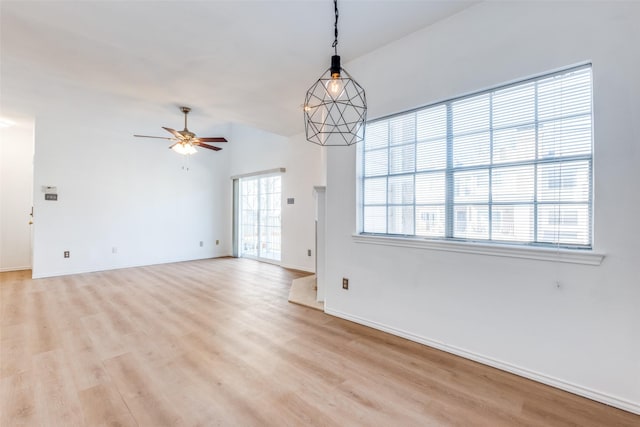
(210, 147)
(213, 139)
(174, 132)
(159, 137)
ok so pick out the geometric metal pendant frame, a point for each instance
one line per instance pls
(335, 119)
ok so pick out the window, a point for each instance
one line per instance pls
(509, 165)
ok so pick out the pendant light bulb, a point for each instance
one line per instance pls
(335, 87)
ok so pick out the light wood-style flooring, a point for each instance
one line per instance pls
(215, 343)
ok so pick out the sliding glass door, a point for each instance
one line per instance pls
(259, 217)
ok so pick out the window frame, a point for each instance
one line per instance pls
(490, 167)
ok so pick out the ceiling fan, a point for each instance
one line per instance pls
(185, 141)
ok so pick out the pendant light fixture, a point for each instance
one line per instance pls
(335, 108)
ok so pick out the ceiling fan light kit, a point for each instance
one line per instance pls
(184, 148)
(335, 107)
(185, 141)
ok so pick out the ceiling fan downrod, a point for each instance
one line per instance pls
(185, 110)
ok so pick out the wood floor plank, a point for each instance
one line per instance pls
(56, 397)
(143, 393)
(15, 355)
(86, 367)
(17, 397)
(215, 343)
(43, 335)
(102, 405)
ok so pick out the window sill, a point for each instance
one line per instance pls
(573, 256)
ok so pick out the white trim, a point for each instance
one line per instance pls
(514, 369)
(5, 269)
(575, 256)
(121, 267)
(297, 267)
(265, 172)
(265, 260)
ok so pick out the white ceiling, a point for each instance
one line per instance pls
(231, 61)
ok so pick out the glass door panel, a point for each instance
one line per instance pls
(260, 217)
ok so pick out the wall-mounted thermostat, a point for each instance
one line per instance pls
(49, 189)
(50, 192)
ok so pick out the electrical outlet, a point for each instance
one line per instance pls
(345, 283)
(114, 250)
(201, 243)
(308, 252)
(217, 242)
(67, 254)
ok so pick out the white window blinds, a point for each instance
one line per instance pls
(511, 165)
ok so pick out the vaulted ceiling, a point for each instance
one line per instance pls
(232, 61)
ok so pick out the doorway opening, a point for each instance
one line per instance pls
(17, 148)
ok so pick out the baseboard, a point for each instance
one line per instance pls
(5, 269)
(120, 267)
(517, 370)
(296, 267)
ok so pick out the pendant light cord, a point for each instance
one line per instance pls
(335, 41)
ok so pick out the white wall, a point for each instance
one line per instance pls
(16, 189)
(584, 336)
(254, 150)
(117, 191)
(133, 194)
